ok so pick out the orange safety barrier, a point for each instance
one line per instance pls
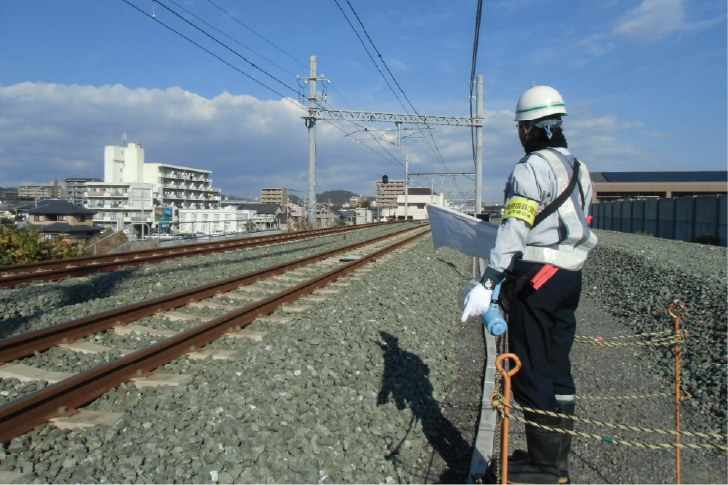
(505, 424)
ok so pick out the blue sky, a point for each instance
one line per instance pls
(644, 83)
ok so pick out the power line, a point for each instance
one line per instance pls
(370, 55)
(210, 52)
(256, 33)
(436, 149)
(225, 46)
(153, 17)
(234, 40)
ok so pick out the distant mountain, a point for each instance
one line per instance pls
(335, 197)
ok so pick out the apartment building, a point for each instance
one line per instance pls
(387, 193)
(76, 189)
(132, 189)
(417, 200)
(52, 190)
(229, 219)
(274, 196)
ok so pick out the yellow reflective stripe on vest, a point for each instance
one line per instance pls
(521, 208)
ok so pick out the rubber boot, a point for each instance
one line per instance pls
(544, 447)
(565, 407)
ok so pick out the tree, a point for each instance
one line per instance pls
(365, 204)
(28, 246)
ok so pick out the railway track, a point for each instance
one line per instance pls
(13, 275)
(299, 278)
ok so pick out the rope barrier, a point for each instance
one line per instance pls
(619, 337)
(500, 405)
(599, 341)
(608, 439)
(643, 396)
(501, 401)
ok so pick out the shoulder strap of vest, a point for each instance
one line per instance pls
(554, 206)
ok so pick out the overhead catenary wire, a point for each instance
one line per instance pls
(231, 38)
(226, 46)
(288, 99)
(256, 33)
(434, 148)
(213, 54)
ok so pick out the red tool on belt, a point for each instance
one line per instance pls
(543, 276)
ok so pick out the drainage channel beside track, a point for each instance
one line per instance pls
(64, 397)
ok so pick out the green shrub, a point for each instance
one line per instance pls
(643, 233)
(29, 246)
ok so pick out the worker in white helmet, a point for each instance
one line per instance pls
(541, 247)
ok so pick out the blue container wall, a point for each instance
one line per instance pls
(680, 218)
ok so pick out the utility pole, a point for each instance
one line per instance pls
(406, 183)
(312, 145)
(479, 147)
(311, 125)
(398, 119)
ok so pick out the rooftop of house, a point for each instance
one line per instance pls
(66, 228)
(260, 208)
(56, 206)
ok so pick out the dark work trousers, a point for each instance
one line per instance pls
(541, 330)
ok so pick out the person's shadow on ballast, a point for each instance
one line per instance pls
(406, 379)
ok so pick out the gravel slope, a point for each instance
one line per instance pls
(379, 384)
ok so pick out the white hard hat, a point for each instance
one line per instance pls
(539, 101)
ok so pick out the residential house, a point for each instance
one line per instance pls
(60, 219)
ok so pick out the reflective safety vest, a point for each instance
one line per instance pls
(580, 241)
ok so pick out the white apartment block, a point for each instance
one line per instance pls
(132, 189)
(417, 200)
(230, 219)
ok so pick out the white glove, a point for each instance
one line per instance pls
(477, 302)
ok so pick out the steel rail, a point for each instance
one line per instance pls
(26, 344)
(53, 270)
(63, 398)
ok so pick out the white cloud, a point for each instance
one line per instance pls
(651, 21)
(654, 20)
(55, 130)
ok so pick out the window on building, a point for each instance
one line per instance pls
(38, 218)
(62, 218)
(81, 218)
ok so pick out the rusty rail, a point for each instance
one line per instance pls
(13, 275)
(22, 415)
(24, 345)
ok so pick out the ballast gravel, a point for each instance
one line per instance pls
(378, 384)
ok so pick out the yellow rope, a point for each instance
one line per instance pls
(671, 340)
(500, 405)
(641, 335)
(618, 398)
(607, 439)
